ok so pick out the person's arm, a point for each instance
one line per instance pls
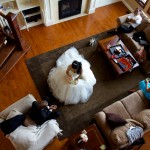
(130, 20)
(147, 88)
(52, 107)
(69, 77)
(136, 20)
(67, 71)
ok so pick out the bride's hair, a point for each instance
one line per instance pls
(77, 65)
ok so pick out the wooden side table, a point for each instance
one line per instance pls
(94, 142)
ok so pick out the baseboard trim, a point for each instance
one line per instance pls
(48, 23)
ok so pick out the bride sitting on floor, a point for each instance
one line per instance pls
(72, 80)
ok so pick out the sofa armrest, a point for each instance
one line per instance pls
(101, 122)
(122, 19)
(1, 120)
(146, 102)
(22, 105)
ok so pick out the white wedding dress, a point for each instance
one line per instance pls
(69, 93)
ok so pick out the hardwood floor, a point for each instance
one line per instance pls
(18, 82)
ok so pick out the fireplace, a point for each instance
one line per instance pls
(69, 8)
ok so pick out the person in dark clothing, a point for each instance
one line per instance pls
(132, 21)
(41, 112)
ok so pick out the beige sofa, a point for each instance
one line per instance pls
(30, 137)
(128, 108)
(132, 45)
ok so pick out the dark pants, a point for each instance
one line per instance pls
(125, 29)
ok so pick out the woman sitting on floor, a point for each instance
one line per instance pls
(72, 80)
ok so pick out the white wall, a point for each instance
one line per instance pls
(100, 3)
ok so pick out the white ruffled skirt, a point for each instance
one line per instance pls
(61, 89)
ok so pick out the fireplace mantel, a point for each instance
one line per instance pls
(50, 11)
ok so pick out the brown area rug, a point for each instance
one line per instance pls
(107, 90)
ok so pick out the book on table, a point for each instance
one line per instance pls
(124, 64)
(124, 60)
(117, 51)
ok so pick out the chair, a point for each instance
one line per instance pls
(31, 137)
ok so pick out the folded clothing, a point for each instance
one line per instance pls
(124, 63)
(11, 124)
(134, 133)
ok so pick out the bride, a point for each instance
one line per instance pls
(72, 80)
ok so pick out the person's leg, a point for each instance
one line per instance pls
(124, 29)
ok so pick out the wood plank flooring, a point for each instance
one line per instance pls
(18, 82)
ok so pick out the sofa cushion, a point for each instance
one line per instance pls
(117, 108)
(133, 103)
(118, 135)
(143, 25)
(13, 113)
(128, 40)
(114, 120)
(147, 33)
(144, 118)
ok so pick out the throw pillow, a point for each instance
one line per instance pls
(114, 120)
(144, 118)
(13, 113)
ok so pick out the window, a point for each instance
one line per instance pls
(142, 2)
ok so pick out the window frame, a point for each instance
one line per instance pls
(141, 3)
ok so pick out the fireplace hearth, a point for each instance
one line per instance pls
(68, 8)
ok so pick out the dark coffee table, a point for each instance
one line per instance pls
(112, 41)
(94, 142)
